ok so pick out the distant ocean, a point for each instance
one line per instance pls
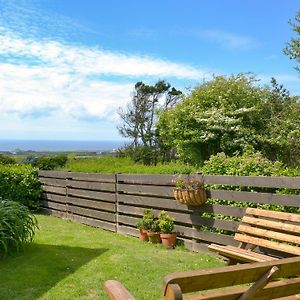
(43, 145)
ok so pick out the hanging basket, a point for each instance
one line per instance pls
(190, 196)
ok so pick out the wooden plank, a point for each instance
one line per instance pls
(268, 244)
(92, 177)
(92, 213)
(53, 174)
(98, 186)
(128, 230)
(54, 197)
(257, 181)
(231, 275)
(269, 234)
(283, 290)
(116, 291)
(273, 214)
(53, 181)
(53, 189)
(192, 219)
(94, 195)
(264, 198)
(54, 205)
(128, 220)
(172, 204)
(272, 224)
(151, 179)
(55, 213)
(93, 222)
(92, 204)
(164, 191)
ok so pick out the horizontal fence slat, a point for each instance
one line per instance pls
(172, 204)
(52, 212)
(128, 230)
(264, 198)
(57, 206)
(105, 196)
(53, 174)
(165, 191)
(99, 186)
(98, 177)
(53, 189)
(54, 197)
(92, 204)
(53, 181)
(257, 181)
(92, 213)
(93, 222)
(190, 219)
(149, 179)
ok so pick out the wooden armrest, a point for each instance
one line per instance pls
(116, 291)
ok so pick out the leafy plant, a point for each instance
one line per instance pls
(166, 222)
(20, 183)
(147, 220)
(6, 160)
(188, 183)
(17, 226)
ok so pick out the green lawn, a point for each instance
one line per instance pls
(72, 261)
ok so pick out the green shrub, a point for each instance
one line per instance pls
(6, 160)
(20, 183)
(50, 162)
(17, 226)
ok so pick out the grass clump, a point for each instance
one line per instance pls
(17, 226)
(110, 164)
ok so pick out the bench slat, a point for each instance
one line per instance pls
(268, 244)
(240, 254)
(272, 224)
(269, 234)
(289, 287)
(273, 214)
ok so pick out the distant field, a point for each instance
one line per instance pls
(109, 164)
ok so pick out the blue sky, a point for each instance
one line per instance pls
(67, 66)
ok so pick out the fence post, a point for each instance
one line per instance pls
(116, 202)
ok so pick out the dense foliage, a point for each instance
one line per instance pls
(46, 162)
(230, 115)
(17, 226)
(6, 160)
(20, 183)
(293, 47)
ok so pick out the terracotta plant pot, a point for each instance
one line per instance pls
(154, 237)
(143, 235)
(168, 239)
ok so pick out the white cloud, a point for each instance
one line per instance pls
(39, 76)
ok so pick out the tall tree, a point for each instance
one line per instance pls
(141, 113)
(293, 47)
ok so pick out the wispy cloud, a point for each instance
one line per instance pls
(35, 75)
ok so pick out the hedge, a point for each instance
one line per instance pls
(20, 183)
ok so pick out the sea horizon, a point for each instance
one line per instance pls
(59, 145)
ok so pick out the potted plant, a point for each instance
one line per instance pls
(166, 224)
(190, 191)
(154, 231)
(142, 231)
(144, 224)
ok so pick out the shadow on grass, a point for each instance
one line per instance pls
(30, 274)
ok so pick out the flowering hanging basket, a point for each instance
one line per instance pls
(191, 196)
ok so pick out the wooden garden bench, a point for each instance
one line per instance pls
(264, 229)
(276, 279)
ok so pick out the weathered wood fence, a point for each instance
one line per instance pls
(115, 202)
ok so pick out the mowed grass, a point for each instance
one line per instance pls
(72, 261)
(110, 164)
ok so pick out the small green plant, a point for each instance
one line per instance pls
(188, 183)
(147, 220)
(154, 227)
(166, 222)
(17, 226)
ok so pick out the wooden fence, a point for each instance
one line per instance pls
(116, 202)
